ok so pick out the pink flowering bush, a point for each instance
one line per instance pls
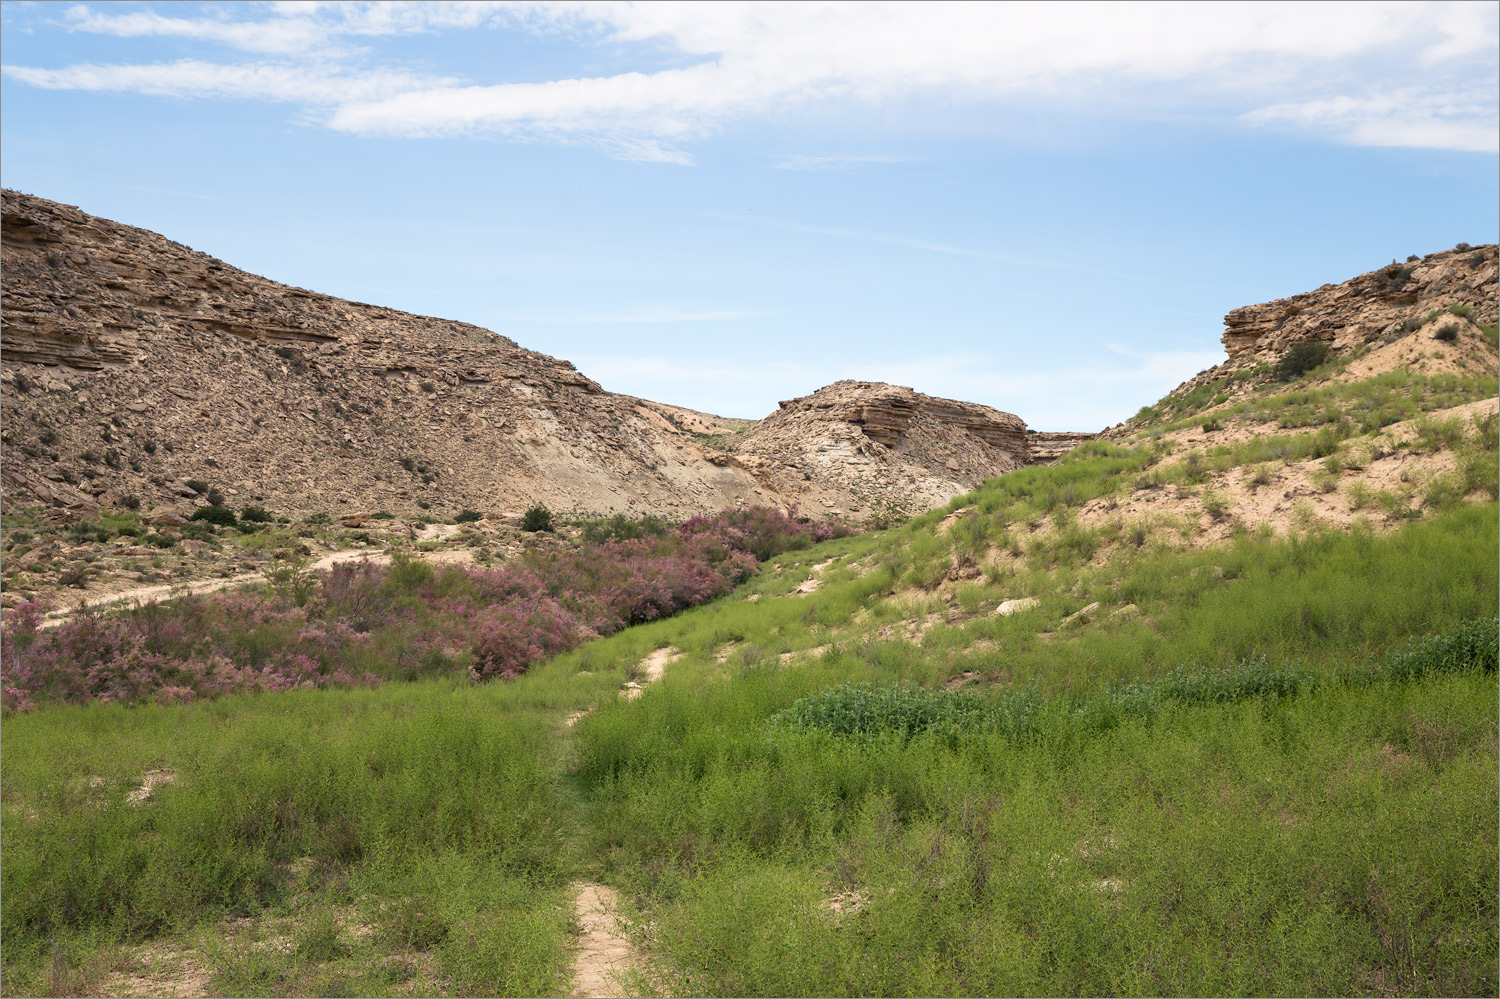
(365, 623)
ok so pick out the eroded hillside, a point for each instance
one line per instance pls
(134, 366)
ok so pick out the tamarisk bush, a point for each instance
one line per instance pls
(363, 623)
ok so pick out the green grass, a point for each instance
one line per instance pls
(431, 790)
(1245, 787)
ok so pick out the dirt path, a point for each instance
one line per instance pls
(167, 591)
(650, 669)
(604, 953)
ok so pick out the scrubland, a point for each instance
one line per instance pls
(1031, 743)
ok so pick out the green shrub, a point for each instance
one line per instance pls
(1300, 359)
(1448, 332)
(621, 527)
(255, 515)
(197, 485)
(88, 530)
(468, 517)
(537, 518)
(215, 496)
(220, 515)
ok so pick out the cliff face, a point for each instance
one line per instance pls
(1372, 305)
(1385, 311)
(132, 363)
(885, 445)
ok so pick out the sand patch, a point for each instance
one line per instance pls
(649, 670)
(604, 955)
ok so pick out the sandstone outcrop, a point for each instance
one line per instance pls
(1368, 306)
(883, 445)
(133, 364)
(137, 371)
(1047, 446)
(1379, 307)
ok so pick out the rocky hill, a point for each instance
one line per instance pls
(134, 366)
(1400, 302)
(884, 445)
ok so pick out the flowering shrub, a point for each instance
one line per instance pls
(362, 622)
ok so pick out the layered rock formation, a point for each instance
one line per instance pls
(1047, 447)
(133, 364)
(1399, 300)
(1372, 305)
(883, 445)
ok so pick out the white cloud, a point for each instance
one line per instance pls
(842, 163)
(310, 85)
(1464, 121)
(764, 59)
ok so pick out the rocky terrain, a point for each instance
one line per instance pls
(135, 366)
(884, 445)
(1371, 310)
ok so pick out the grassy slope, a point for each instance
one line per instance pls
(1339, 841)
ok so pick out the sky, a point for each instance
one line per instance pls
(1044, 208)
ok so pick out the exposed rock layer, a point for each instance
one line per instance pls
(885, 445)
(1383, 305)
(133, 364)
(1368, 306)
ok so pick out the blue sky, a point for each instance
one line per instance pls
(1047, 209)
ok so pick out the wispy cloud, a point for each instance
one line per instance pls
(1467, 120)
(664, 315)
(1365, 73)
(307, 85)
(843, 163)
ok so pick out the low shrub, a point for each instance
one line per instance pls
(255, 515)
(537, 519)
(197, 485)
(1447, 333)
(467, 517)
(360, 623)
(865, 712)
(1300, 359)
(221, 516)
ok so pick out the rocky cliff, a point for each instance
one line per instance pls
(1372, 305)
(1375, 311)
(883, 445)
(133, 365)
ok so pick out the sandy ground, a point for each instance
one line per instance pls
(604, 955)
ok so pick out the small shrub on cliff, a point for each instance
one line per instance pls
(213, 514)
(1300, 359)
(468, 516)
(255, 515)
(1448, 332)
(197, 485)
(536, 519)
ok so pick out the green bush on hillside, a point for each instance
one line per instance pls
(1300, 359)
(537, 518)
(220, 515)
